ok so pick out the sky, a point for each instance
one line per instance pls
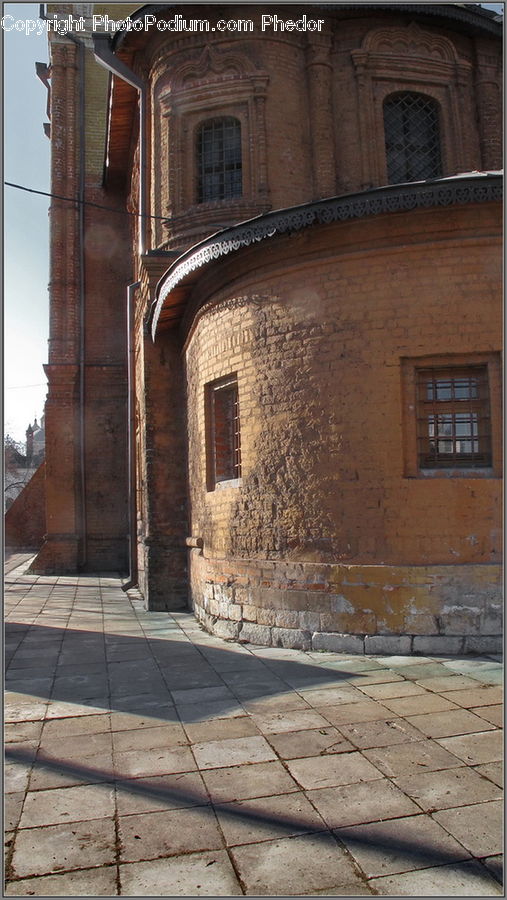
(26, 241)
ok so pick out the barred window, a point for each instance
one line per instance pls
(223, 431)
(453, 417)
(219, 164)
(412, 138)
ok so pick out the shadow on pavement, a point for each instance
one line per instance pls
(170, 678)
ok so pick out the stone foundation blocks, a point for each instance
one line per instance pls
(291, 638)
(338, 643)
(388, 643)
(437, 643)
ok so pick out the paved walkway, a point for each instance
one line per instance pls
(147, 758)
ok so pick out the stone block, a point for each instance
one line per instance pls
(292, 638)
(250, 614)
(286, 619)
(255, 634)
(437, 643)
(309, 621)
(484, 643)
(388, 643)
(226, 629)
(266, 616)
(338, 643)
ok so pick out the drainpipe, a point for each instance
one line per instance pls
(106, 58)
(81, 230)
(132, 506)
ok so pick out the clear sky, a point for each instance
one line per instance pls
(26, 162)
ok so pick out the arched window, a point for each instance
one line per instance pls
(219, 168)
(412, 136)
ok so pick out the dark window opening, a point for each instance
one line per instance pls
(453, 417)
(219, 166)
(412, 137)
(224, 440)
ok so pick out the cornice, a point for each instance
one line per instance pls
(458, 190)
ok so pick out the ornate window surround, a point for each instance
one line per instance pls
(213, 84)
(410, 59)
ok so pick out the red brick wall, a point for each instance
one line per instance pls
(25, 520)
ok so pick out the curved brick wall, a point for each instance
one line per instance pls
(327, 535)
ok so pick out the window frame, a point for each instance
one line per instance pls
(434, 105)
(222, 168)
(224, 472)
(412, 415)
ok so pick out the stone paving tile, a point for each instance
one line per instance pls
(63, 728)
(288, 866)
(72, 804)
(449, 682)
(261, 780)
(323, 741)
(416, 671)
(267, 818)
(20, 708)
(412, 758)
(89, 882)
(289, 720)
(16, 776)
(494, 864)
(233, 752)
(355, 804)
(73, 746)
(158, 761)
(485, 695)
(202, 695)
(363, 711)
(62, 709)
(374, 676)
(418, 705)
(51, 772)
(194, 875)
(449, 788)
(13, 804)
(391, 689)
(477, 827)
(451, 722)
(274, 703)
(332, 696)
(493, 771)
(202, 712)
(380, 733)
(401, 845)
(159, 793)
(468, 879)
(149, 738)
(80, 845)
(327, 771)
(168, 833)
(473, 749)
(220, 729)
(492, 714)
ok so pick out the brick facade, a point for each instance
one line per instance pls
(331, 534)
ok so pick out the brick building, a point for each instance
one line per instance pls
(274, 358)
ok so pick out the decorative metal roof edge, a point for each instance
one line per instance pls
(459, 190)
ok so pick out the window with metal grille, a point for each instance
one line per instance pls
(412, 137)
(219, 166)
(224, 439)
(453, 417)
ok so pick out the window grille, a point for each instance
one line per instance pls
(453, 417)
(412, 137)
(219, 166)
(224, 447)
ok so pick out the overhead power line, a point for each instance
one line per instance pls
(122, 212)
